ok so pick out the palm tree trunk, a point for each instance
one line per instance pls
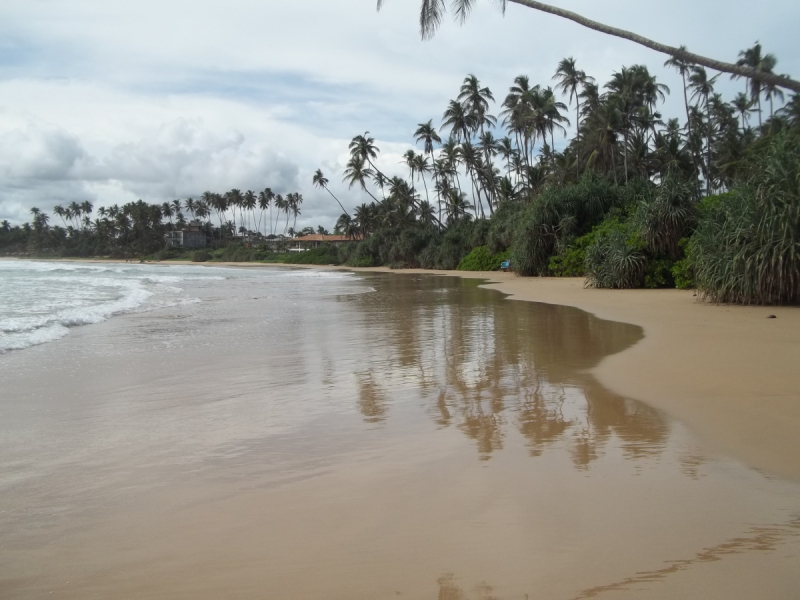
(779, 80)
(577, 135)
(427, 197)
(337, 201)
(760, 124)
(436, 181)
(689, 125)
(708, 147)
(625, 155)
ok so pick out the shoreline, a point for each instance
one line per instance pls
(726, 371)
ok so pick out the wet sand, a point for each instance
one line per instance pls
(728, 372)
(392, 436)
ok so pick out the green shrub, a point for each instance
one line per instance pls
(615, 259)
(502, 226)
(664, 214)
(200, 256)
(683, 274)
(556, 217)
(325, 255)
(746, 247)
(658, 274)
(572, 262)
(365, 261)
(481, 259)
(233, 253)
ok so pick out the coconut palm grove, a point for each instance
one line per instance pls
(711, 200)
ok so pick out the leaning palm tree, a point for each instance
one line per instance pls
(432, 12)
(319, 180)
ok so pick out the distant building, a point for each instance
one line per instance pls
(192, 235)
(315, 240)
(247, 238)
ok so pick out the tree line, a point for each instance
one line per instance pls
(139, 228)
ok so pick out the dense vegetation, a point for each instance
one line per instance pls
(632, 200)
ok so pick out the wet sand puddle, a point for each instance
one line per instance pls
(377, 436)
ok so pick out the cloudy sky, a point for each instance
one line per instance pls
(115, 100)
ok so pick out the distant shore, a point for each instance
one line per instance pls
(728, 372)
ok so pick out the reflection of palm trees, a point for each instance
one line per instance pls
(484, 364)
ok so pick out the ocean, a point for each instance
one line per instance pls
(200, 432)
(42, 301)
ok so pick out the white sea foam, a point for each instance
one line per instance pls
(41, 301)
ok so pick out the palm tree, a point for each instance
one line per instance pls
(771, 92)
(684, 67)
(410, 160)
(702, 88)
(265, 198)
(505, 148)
(297, 201)
(432, 12)
(176, 207)
(792, 111)
(569, 77)
(283, 206)
(363, 147)
(742, 104)
(319, 180)
(426, 133)
(59, 210)
(235, 201)
(74, 213)
(422, 166)
(757, 62)
(249, 203)
(459, 120)
(356, 171)
(189, 206)
(343, 224)
(457, 207)
(476, 100)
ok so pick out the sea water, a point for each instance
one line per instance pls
(42, 301)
